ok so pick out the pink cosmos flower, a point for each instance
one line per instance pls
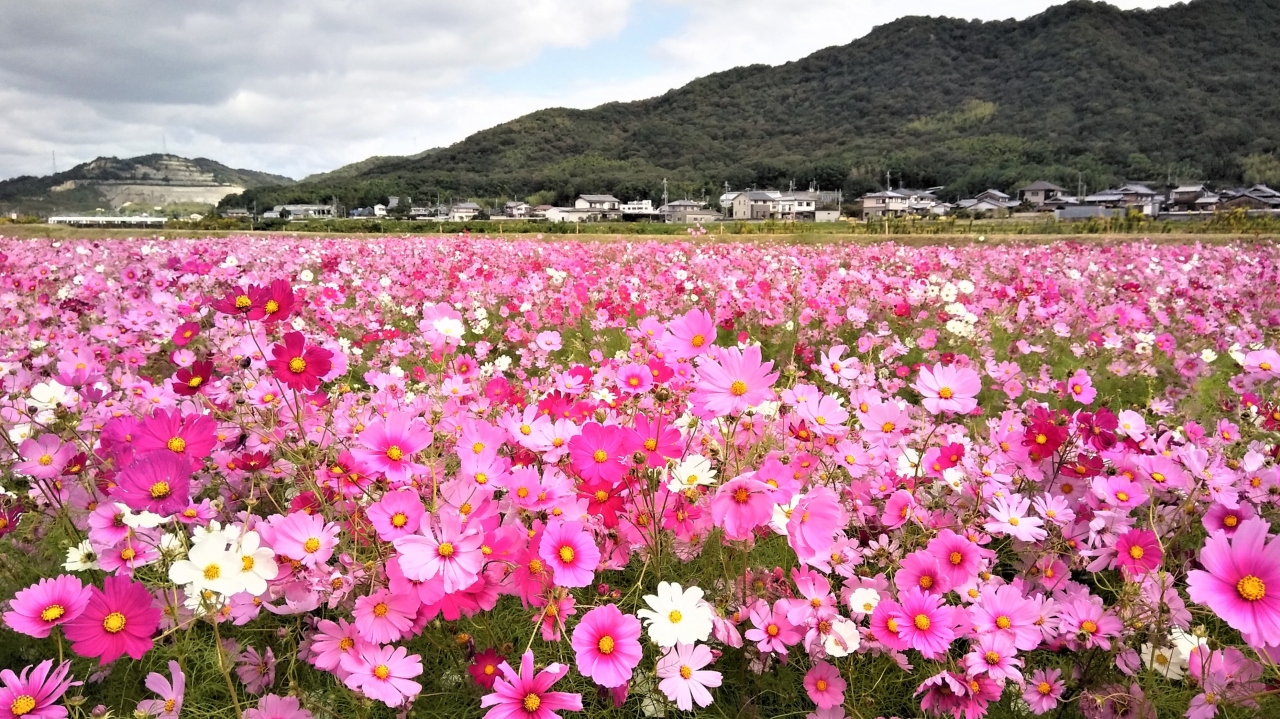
(119, 619)
(303, 537)
(31, 694)
(825, 685)
(159, 482)
(256, 670)
(995, 656)
(44, 457)
(396, 514)
(607, 647)
(169, 705)
(930, 625)
(331, 642)
(735, 380)
(525, 696)
(446, 549)
(948, 388)
(189, 436)
(271, 706)
(1004, 610)
(958, 558)
(634, 379)
(383, 617)
(600, 453)
(689, 335)
(1240, 581)
(384, 673)
(1088, 624)
(1080, 387)
(921, 569)
(1119, 491)
(388, 446)
(36, 610)
(571, 552)
(812, 527)
(772, 632)
(1009, 516)
(684, 679)
(1138, 552)
(1044, 690)
(741, 505)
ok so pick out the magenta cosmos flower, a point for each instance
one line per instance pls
(600, 453)
(304, 538)
(159, 482)
(684, 680)
(389, 446)
(1138, 551)
(169, 705)
(569, 549)
(1240, 581)
(31, 694)
(384, 673)
(525, 695)
(396, 514)
(36, 610)
(825, 686)
(298, 366)
(383, 617)
(735, 380)
(689, 335)
(607, 645)
(948, 388)
(930, 624)
(119, 619)
(190, 436)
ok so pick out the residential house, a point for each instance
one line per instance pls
(1184, 197)
(1076, 213)
(572, 214)
(236, 213)
(826, 215)
(888, 203)
(1132, 196)
(798, 207)
(424, 213)
(753, 204)
(1038, 193)
(637, 207)
(393, 202)
(516, 209)
(668, 211)
(379, 210)
(988, 202)
(1258, 197)
(300, 212)
(603, 207)
(540, 211)
(694, 216)
(463, 212)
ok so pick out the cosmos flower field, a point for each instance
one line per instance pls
(279, 478)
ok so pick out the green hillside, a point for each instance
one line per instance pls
(1081, 91)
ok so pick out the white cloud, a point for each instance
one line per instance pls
(302, 86)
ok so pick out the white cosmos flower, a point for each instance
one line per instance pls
(140, 520)
(48, 395)
(449, 327)
(692, 471)
(209, 566)
(676, 615)
(844, 638)
(863, 600)
(81, 558)
(782, 515)
(257, 564)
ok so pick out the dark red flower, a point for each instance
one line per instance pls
(236, 302)
(189, 381)
(186, 332)
(298, 366)
(271, 303)
(484, 668)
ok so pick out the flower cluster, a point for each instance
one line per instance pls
(999, 476)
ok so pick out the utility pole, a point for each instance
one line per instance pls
(888, 183)
(664, 191)
(55, 161)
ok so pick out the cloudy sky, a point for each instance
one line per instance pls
(302, 86)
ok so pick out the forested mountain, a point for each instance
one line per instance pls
(1082, 91)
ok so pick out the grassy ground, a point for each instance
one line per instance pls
(60, 232)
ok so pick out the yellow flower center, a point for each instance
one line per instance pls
(685, 671)
(271, 307)
(535, 566)
(1044, 688)
(566, 554)
(52, 612)
(297, 365)
(246, 563)
(892, 625)
(128, 554)
(312, 545)
(1089, 626)
(741, 495)
(651, 444)
(399, 519)
(346, 644)
(738, 388)
(1251, 588)
(380, 609)
(45, 460)
(160, 490)
(698, 341)
(394, 453)
(531, 702)
(382, 671)
(675, 616)
(195, 381)
(992, 658)
(1122, 496)
(955, 558)
(600, 456)
(169, 704)
(177, 444)
(888, 427)
(490, 670)
(445, 549)
(212, 572)
(605, 645)
(601, 495)
(114, 623)
(945, 393)
(1158, 477)
(922, 622)
(821, 685)
(1004, 622)
(477, 448)
(1136, 552)
(24, 704)
(522, 492)
(243, 302)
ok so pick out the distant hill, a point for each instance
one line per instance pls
(1082, 91)
(108, 183)
(357, 168)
